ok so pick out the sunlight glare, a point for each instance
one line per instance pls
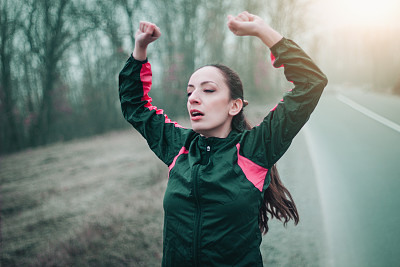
(359, 13)
(369, 12)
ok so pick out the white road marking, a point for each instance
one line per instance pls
(369, 113)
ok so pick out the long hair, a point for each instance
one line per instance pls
(278, 201)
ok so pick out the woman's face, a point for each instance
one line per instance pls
(209, 104)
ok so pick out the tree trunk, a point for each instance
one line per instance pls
(8, 29)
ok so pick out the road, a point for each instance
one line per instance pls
(356, 159)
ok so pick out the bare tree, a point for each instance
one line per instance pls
(179, 21)
(213, 32)
(100, 66)
(130, 8)
(9, 14)
(51, 30)
(289, 16)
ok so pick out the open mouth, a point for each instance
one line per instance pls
(195, 114)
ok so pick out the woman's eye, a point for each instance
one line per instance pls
(209, 90)
(188, 94)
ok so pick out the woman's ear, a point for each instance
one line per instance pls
(237, 105)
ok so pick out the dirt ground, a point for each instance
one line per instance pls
(98, 201)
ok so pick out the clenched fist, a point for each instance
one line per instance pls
(246, 24)
(147, 33)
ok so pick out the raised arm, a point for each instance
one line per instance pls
(164, 136)
(266, 143)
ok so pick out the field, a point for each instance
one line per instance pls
(98, 202)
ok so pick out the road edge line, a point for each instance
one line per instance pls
(368, 112)
(329, 260)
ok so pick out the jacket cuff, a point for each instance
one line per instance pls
(131, 58)
(275, 47)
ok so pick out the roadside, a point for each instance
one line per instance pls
(304, 244)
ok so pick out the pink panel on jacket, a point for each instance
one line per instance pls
(182, 151)
(276, 105)
(145, 78)
(254, 172)
(273, 58)
(273, 61)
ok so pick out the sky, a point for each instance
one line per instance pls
(362, 37)
(358, 13)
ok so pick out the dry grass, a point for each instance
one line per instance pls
(89, 202)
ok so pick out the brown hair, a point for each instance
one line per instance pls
(278, 201)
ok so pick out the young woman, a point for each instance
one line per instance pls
(222, 179)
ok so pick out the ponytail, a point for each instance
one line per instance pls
(278, 201)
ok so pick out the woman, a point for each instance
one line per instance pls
(222, 179)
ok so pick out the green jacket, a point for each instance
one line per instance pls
(216, 185)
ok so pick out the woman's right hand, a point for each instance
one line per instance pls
(147, 33)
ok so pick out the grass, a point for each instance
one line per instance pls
(98, 202)
(94, 202)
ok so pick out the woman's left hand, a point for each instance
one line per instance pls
(246, 24)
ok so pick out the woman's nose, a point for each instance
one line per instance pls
(194, 98)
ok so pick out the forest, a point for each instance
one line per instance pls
(60, 59)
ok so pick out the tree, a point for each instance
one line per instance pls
(9, 25)
(289, 17)
(179, 22)
(129, 7)
(213, 32)
(248, 57)
(100, 65)
(51, 30)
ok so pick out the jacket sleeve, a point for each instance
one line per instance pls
(164, 137)
(267, 142)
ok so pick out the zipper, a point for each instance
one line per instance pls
(196, 239)
(197, 226)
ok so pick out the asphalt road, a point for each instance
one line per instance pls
(356, 157)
